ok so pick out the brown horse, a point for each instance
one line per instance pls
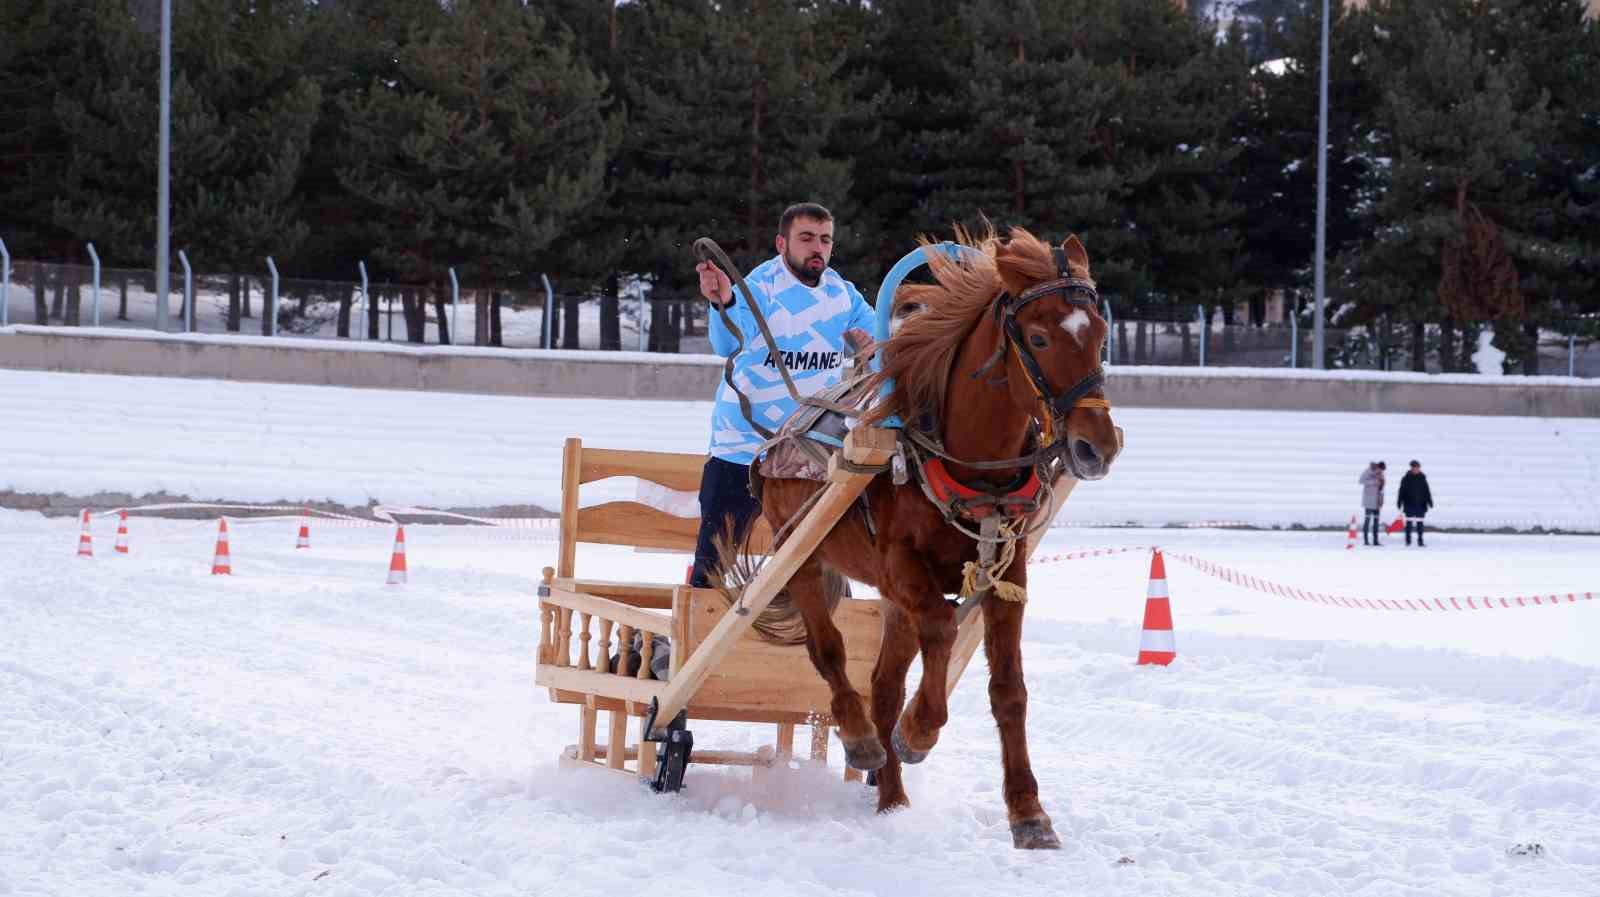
(1003, 357)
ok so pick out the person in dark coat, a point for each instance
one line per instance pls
(1415, 500)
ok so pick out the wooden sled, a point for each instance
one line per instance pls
(720, 670)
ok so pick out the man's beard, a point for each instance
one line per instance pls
(800, 270)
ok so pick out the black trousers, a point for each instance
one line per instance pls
(1373, 524)
(1419, 523)
(724, 500)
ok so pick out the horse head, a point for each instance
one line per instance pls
(1053, 336)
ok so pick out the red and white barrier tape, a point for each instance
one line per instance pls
(1256, 583)
(1090, 553)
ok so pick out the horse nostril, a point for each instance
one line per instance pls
(1084, 451)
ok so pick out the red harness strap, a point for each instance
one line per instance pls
(976, 503)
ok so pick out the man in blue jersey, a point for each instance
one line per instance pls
(809, 308)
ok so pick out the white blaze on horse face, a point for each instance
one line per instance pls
(1075, 323)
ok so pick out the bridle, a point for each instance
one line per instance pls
(1077, 292)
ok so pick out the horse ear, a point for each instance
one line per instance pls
(1076, 255)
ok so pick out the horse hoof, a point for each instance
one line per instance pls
(906, 752)
(1035, 834)
(866, 754)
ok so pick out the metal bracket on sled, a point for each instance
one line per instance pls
(676, 742)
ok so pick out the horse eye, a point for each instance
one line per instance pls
(1038, 341)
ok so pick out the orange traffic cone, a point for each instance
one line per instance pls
(304, 539)
(1350, 540)
(85, 541)
(1156, 644)
(122, 532)
(397, 560)
(222, 564)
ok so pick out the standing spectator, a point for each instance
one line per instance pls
(1415, 500)
(1371, 481)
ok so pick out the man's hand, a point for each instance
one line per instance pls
(714, 285)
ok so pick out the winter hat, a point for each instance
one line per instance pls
(1382, 466)
(1415, 463)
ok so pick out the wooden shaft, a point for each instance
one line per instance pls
(774, 575)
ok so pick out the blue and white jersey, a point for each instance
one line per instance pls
(808, 323)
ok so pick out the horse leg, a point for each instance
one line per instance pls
(912, 586)
(825, 644)
(898, 647)
(1008, 699)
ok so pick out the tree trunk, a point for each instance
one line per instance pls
(569, 322)
(41, 298)
(610, 315)
(235, 283)
(496, 331)
(1186, 356)
(414, 310)
(1228, 339)
(1469, 345)
(1419, 346)
(552, 307)
(374, 310)
(244, 300)
(269, 308)
(58, 308)
(1530, 358)
(1447, 346)
(660, 325)
(753, 205)
(1122, 342)
(346, 302)
(1140, 332)
(74, 299)
(122, 298)
(439, 312)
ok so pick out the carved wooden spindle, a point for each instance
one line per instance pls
(625, 635)
(547, 646)
(564, 637)
(583, 642)
(603, 647)
(649, 648)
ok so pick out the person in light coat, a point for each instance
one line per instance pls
(1371, 481)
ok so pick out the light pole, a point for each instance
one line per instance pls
(163, 165)
(1319, 339)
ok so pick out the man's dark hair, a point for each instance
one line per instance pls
(801, 210)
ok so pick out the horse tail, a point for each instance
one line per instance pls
(781, 622)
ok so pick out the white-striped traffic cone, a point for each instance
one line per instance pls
(1156, 644)
(222, 563)
(85, 541)
(122, 532)
(303, 540)
(397, 560)
(1350, 540)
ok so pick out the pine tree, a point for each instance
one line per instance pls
(1456, 137)
(735, 115)
(241, 123)
(491, 136)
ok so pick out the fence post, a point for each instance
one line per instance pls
(455, 297)
(1200, 314)
(362, 265)
(95, 257)
(1294, 333)
(549, 312)
(188, 293)
(5, 284)
(272, 309)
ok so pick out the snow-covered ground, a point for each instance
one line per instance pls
(215, 440)
(301, 728)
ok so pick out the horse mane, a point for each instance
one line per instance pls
(921, 356)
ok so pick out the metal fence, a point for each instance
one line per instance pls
(266, 303)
